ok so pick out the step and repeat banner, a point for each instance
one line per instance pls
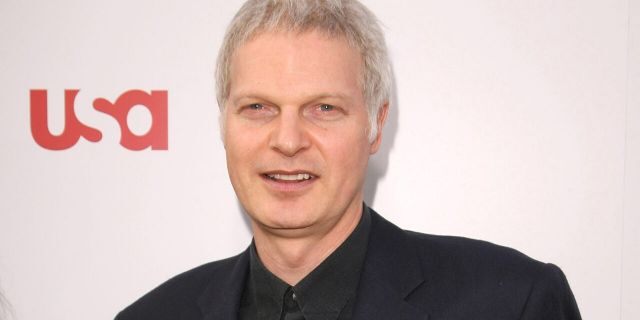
(512, 122)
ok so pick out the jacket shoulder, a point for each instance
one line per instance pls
(177, 297)
(498, 280)
(464, 254)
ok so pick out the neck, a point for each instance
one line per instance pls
(291, 258)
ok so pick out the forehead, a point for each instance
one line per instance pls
(305, 63)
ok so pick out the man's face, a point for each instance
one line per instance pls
(296, 131)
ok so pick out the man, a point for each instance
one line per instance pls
(303, 87)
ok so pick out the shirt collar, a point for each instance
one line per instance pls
(324, 292)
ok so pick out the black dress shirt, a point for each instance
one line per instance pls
(327, 293)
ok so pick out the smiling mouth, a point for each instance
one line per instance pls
(295, 177)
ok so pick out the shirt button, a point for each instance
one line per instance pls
(294, 296)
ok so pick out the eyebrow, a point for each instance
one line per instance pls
(266, 97)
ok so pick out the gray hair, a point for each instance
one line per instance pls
(336, 18)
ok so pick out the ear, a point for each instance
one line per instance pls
(222, 121)
(382, 118)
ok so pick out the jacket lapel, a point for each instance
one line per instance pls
(390, 274)
(221, 299)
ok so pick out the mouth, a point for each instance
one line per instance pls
(289, 177)
(289, 182)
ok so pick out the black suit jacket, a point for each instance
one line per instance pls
(406, 276)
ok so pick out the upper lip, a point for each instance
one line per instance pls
(289, 172)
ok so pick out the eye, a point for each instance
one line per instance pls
(257, 111)
(327, 107)
(325, 112)
(253, 108)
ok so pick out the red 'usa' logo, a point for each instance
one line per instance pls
(74, 129)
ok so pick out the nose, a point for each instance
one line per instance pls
(289, 136)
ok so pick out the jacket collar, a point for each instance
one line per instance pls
(221, 299)
(391, 272)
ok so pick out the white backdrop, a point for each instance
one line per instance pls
(516, 122)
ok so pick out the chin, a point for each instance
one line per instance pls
(279, 217)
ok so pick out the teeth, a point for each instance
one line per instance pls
(290, 177)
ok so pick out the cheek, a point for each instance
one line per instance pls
(347, 152)
(237, 147)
